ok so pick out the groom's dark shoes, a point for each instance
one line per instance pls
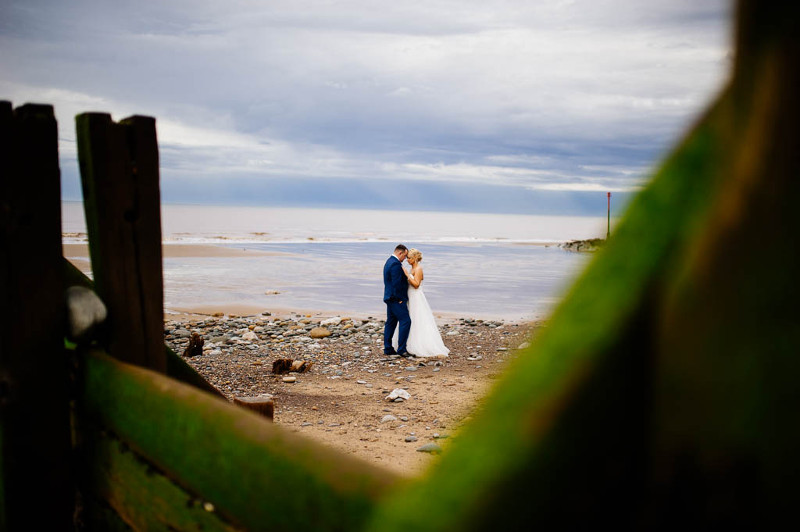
(389, 352)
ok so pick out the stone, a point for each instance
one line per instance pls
(430, 448)
(85, 311)
(398, 393)
(319, 332)
(289, 379)
(250, 336)
(387, 418)
(331, 321)
(410, 439)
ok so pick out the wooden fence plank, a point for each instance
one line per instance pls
(34, 403)
(119, 171)
(255, 474)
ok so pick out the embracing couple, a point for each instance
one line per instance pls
(407, 306)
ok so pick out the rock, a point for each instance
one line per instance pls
(319, 332)
(182, 333)
(410, 439)
(361, 382)
(250, 336)
(524, 345)
(331, 321)
(398, 393)
(289, 379)
(429, 448)
(86, 310)
(387, 418)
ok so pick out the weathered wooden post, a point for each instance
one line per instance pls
(36, 489)
(119, 172)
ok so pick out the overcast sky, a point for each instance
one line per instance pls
(473, 105)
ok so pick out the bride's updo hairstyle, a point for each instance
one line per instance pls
(415, 254)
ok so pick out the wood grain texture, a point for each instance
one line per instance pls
(119, 174)
(34, 403)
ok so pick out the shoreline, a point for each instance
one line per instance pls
(78, 255)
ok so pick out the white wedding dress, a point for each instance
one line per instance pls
(424, 339)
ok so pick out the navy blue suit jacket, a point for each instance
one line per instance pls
(395, 284)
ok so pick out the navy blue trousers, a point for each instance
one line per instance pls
(396, 313)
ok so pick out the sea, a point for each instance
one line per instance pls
(490, 266)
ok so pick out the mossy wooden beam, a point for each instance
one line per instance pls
(120, 177)
(140, 495)
(255, 474)
(177, 368)
(35, 448)
(664, 390)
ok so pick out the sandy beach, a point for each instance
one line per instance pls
(341, 401)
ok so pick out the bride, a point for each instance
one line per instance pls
(424, 339)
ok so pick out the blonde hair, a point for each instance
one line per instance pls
(415, 254)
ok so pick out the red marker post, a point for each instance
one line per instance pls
(608, 231)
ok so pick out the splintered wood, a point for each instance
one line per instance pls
(286, 365)
(195, 347)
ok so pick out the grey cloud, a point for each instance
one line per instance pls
(525, 93)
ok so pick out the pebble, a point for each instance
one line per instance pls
(410, 439)
(289, 379)
(429, 448)
(387, 418)
(319, 332)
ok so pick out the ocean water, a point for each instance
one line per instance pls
(476, 265)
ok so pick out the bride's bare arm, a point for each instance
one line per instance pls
(414, 276)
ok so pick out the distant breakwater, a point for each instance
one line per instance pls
(592, 244)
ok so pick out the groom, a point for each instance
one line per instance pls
(395, 295)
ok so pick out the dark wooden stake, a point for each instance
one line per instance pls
(119, 172)
(264, 404)
(36, 489)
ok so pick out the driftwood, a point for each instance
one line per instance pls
(285, 365)
(195, 347)
(264, 404)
